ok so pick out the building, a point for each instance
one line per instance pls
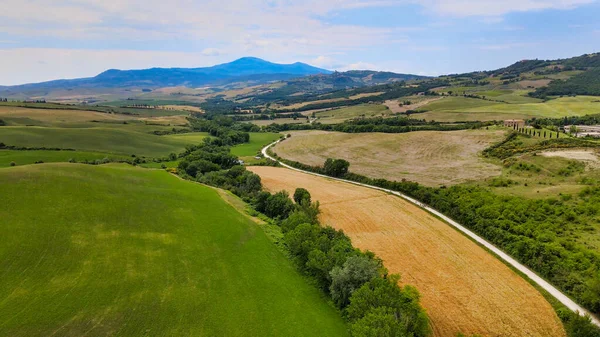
(514, 123)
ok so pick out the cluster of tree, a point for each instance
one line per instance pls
(3, 99)
(586, 83)
(378, 124)
(356, 281)
(534, 231)
(266, 117)
(571, 120)
(221, 129)
(2, 123)
(173, 131)
(221, 106)
(24, 148)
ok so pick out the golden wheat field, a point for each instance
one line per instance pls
(464, 288)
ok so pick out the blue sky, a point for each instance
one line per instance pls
(50, 39)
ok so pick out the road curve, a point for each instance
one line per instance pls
(564, 299)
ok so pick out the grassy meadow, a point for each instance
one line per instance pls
(118, 250)
(451, 109)
(29, 157)
(363, 110)
(258, 140)
(102, 139)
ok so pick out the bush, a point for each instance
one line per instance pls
(12, 163)
(383, 297)
(336, 167)
(357, 270)
(302, 196)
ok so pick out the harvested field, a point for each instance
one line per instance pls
(429, 157)
(590, 157)
(463, 287)
(417, 102)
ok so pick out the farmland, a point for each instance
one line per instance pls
(451, 109)
(29, 157)
(257, 142)
(428, 157)
(119, 140)
(364, 110)
(464, 288)
(118, 250)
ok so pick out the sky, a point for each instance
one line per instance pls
(43, 40)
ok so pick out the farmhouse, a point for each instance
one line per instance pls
(512, 123)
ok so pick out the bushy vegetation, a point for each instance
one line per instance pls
(586, 83)
(514, 144)
(379, 124)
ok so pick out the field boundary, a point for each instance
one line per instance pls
(564, 299)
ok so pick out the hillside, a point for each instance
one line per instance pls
(119, 250)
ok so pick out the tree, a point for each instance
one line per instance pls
(12, 163)
(302, 196)
(201, 166)
(336, 167)
(385, 293)
(379, 322)
(357, 270)
(279, 205)
(573, 130)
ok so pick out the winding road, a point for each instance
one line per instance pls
(564, 299)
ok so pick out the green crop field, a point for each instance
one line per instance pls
(257, 141)
(340, 115)
(104, 139)
(30, 157)
(119, 250)
(451, 109)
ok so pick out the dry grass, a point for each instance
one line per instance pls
(428, 157)
(534, 83)
(463, 287)
(58, 116)
(182, 107)
(417, 102)
(366, 94)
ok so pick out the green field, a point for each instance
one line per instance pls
(118, 250)
(103, 139)
(468, 109)
(30, 157)
(342, 114)
(258, 140)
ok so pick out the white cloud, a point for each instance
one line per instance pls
(463, 8)
(26, 65)
(211, 52)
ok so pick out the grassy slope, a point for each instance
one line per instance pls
(105, 139)
(340, 115)
(115, 250)
(257, 142)
(464, 109)
(30, 157)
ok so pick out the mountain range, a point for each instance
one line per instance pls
(241, 70)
